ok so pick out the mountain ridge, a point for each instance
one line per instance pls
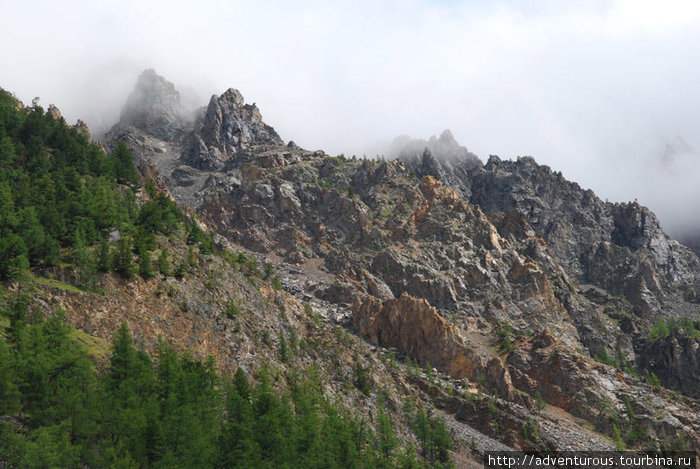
(520, 308)
(505, 242)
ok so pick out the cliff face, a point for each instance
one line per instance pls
(228, 125)
(618, 247)
(505, 277)
(676, 360)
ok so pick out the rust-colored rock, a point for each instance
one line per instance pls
(418, 330)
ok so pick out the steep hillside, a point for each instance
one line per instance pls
(428, 307)
(506, 278)
(86, 245)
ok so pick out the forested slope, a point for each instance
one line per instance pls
(76, 221)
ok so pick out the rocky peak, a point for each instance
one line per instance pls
(232, 96)
(228, 126)
(83, 129)
(441, 157)
(53, 112)
(445, 149)
(154, 106)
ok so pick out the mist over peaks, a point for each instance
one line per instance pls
(444, 149)
(154, 106)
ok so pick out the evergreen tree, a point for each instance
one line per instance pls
(13, 257)
(104, 260)
(83, 261)
(145, 266)
(386, 439)
(284, 350)
(8, 217)
(9, 393)
(122, 260)
(241, 384)
(163, 263)
(124, 358)
(124, 168)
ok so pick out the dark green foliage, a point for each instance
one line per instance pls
(168, 411)
(433, 435)
(362, 378)
(145, 265)
(180, 270)
(429, 373)
(604, 357)
(531, 432)
(231, 309)
(104, 259)
(276, 282)
(60, 195)
(13, 257)
(652, 379)
(159, 215)
(659, 330)
(507, 338)
(386, 439)
(240, 381)
(124, 165)
(284, 350)
(685, 326)
(9, 393)
(163, 263)
(83, 261)
(617, 438)
(122, 259)
(239, 261)
(636, 434)
(197, 237)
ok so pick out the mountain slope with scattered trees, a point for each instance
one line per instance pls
(78, 223)
(229, 299)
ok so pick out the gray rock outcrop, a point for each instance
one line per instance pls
(154, 107)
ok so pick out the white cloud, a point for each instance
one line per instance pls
(596, 90)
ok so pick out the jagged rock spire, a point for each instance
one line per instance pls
(154, 106)
(228, 126)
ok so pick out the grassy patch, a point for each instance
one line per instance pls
(97, 349)
(53, 283)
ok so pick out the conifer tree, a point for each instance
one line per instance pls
(145, 266)
(124, 165)
(83, 261)
(123, 258)
(104, 260)
(163, 263)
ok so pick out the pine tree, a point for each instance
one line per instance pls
(83, 261)
(13, 257)
(104, 260)
(163, 263)
(284, 350)
(241, 384)
(145, 266)
(386, 438)
(123, 258)
(123, 361)
(8, 217)
(9, 393)
(124, 165)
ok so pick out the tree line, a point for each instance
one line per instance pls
(57, 409)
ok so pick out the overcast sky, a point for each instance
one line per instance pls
(606, 92)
